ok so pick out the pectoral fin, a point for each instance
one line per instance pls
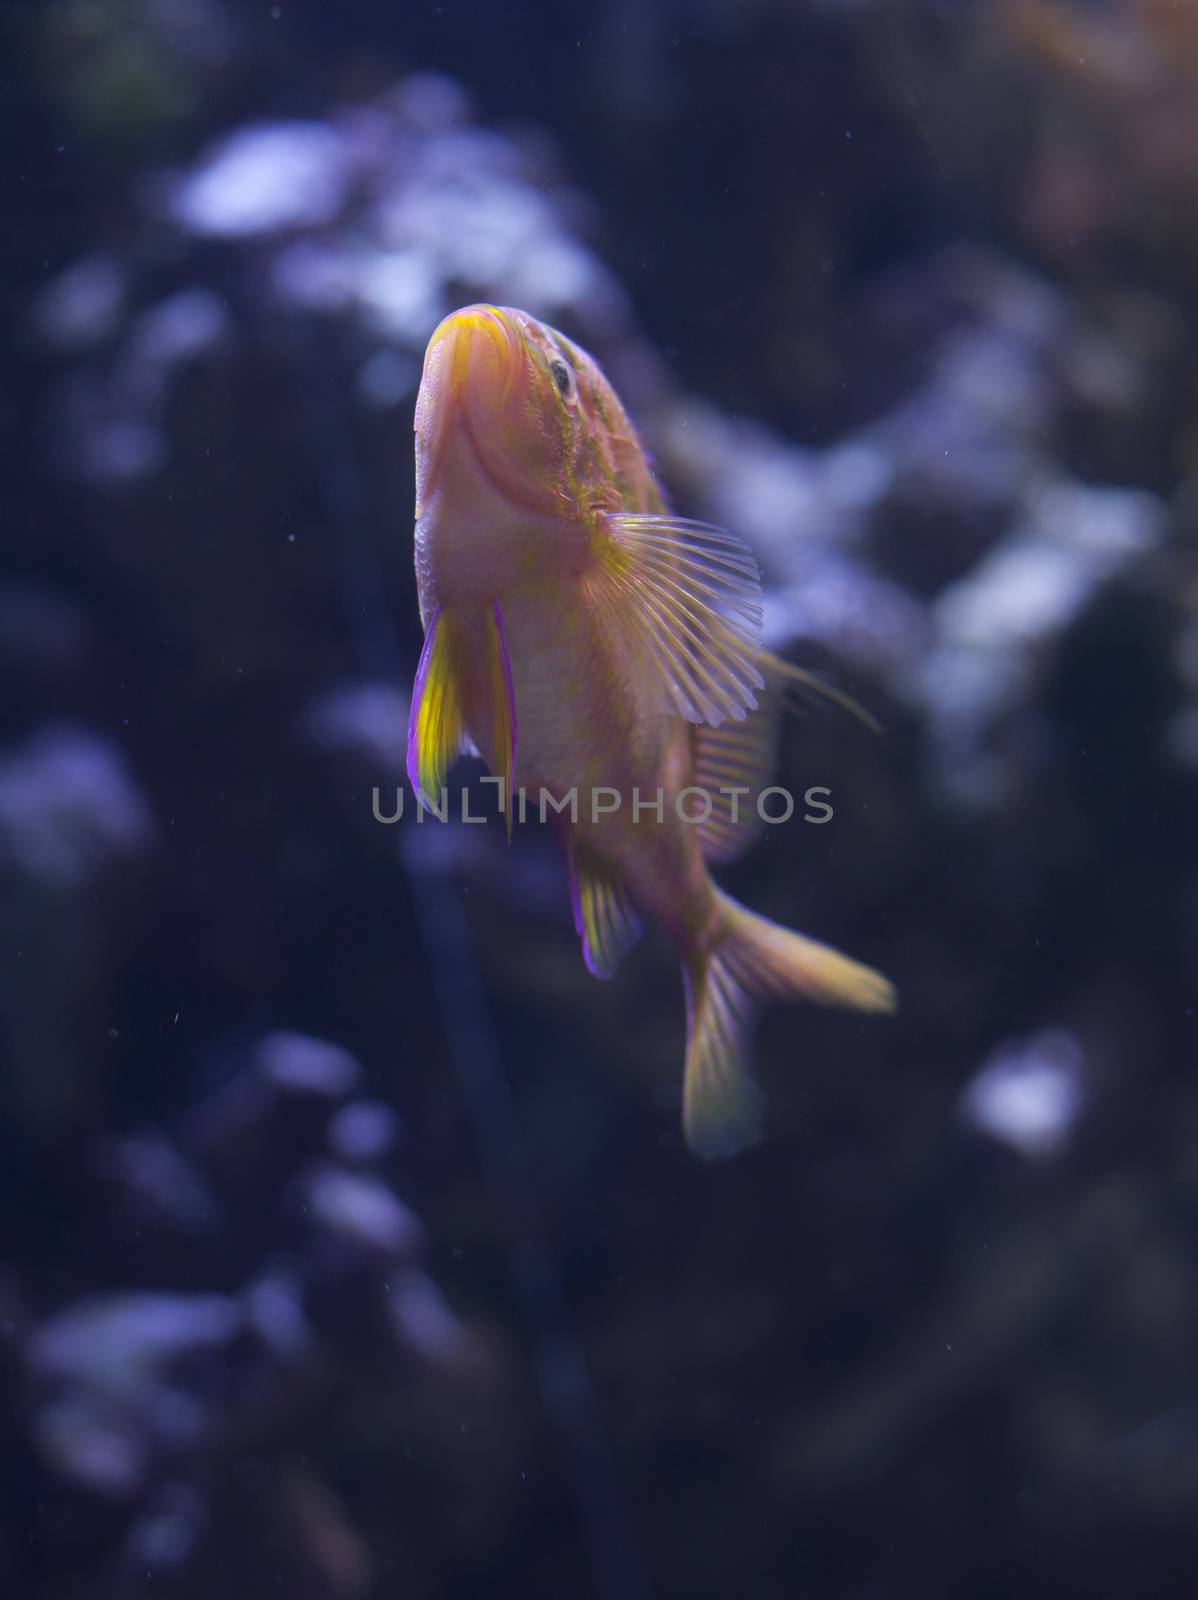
(681, 600)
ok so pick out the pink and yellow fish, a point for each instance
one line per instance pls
(589, 643)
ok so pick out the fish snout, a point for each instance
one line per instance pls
(470, 367)
(481, 355)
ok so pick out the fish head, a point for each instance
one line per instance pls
(518, 399)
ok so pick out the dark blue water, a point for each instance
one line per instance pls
(350, 1246)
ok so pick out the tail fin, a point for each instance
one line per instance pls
(749, 959)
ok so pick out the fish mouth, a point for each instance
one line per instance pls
(471, 366)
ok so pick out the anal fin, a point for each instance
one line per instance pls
(605, 917)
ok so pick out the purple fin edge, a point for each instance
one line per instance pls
(413, 761)
(505, 662)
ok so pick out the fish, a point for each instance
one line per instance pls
(605, 655)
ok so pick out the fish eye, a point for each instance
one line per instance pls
(562, 377)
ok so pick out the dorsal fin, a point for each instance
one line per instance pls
(781, 675)
(742, 755)
(737, 755)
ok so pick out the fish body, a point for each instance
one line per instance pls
(600, 651)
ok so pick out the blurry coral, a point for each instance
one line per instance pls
(1028, 1094)
(73, 825)
(127, 70)
(154, 1418)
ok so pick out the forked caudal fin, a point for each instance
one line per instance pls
(752, 958)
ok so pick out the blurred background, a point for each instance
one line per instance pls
(348, 1245)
